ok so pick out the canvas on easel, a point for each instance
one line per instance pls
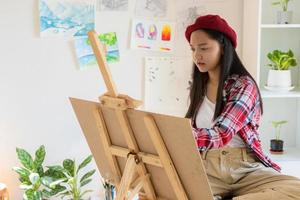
(138, 151)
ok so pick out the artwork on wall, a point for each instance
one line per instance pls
(151, 8)
(112, 5)
(167, 84)
(66, 17)
(188, 16)
(152, 35)
(85, 53)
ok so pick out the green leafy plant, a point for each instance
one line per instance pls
(281, 60)
(34, 181)
(283, 3)
(73, 182)
(277, 125)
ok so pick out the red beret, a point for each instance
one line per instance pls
(213, 22)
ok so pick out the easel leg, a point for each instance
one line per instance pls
(138, 184)
(129, 171)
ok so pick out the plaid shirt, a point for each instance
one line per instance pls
(240, 115)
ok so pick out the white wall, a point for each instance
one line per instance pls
(37, 75)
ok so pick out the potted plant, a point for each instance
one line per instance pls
(277, 144)
(34, 181)
(283, 16)
(72, 181)
(279, 75)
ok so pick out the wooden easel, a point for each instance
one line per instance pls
(135, 176)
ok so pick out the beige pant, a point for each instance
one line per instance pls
(237, 173)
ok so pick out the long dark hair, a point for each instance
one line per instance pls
(229, 64)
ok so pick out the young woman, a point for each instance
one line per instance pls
(225, 108)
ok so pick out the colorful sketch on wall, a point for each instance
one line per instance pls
(167, 84)
(85, 53)
(66, 17)
(151, 8)
(112, 5)
(152, 35)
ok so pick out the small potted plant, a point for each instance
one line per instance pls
(73, 182)
(279, 75)
(276, 146)
(35, 182)
(63, 181)
(283, 16)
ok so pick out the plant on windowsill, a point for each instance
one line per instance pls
(283, 16)
(279, 76)
(276, 146)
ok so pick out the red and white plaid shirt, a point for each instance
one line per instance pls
(241, 115)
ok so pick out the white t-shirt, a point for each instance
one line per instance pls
(204, 119)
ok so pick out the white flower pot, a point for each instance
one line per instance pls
(279, 78)
(284, 17)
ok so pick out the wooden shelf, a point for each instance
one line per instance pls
(280, 25)
(295, 93)
(261, 35)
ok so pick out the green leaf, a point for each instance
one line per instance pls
(39, 157)
(25, 158)
(24, 180)
(276, 123)
(282, 3)
(46, 180)
(57, 189)
(32, 195)
(85, 192)
(40, 170)
(51, 182)
(87, 175)
(54, 174)
(85, 162)
(26, 186)
(46, 193)
(29, 195)
(69, 166)
(64, 194)
(83, 183)
(34, 178)
(71, 180)
(59, 169)
(276, 3)
(57, 182)
(24, 173)
(37, 195)
(290, 53)
(56, 168)
(281, 60)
